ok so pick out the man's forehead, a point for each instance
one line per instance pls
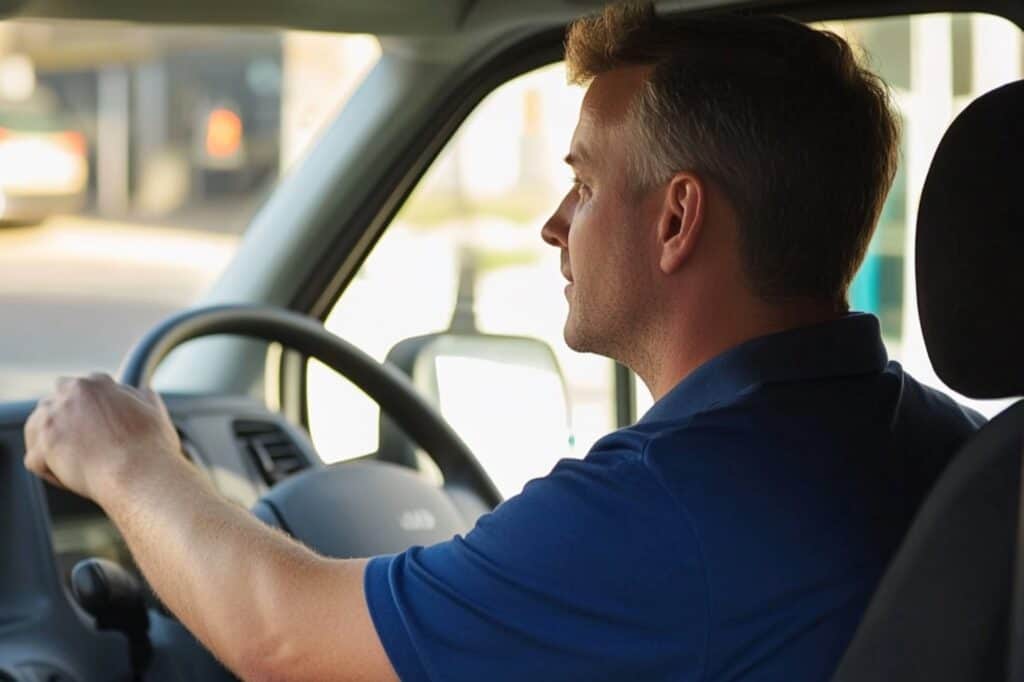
(610, 94)
(604, 110)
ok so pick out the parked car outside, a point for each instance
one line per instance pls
(44, 165)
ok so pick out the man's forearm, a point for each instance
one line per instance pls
(249, 593)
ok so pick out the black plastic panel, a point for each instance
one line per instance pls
(44, 635)
(40, 629)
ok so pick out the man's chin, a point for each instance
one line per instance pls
(584, 340)
(574, 339)
(569, 334)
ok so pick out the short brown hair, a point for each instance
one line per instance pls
(781, 117)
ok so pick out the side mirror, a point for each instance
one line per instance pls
(505, 395)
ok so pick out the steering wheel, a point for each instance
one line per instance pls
(375, 507)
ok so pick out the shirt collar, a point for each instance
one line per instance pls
(848, 346)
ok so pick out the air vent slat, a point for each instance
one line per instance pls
(247, 428)
(271, 449)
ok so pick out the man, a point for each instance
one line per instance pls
(729, 176)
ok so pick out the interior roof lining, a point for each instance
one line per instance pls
(447, 18)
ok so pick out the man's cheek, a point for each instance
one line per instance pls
(577, 238)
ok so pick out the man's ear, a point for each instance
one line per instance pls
(681, 220)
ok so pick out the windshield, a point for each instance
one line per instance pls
(132, 158)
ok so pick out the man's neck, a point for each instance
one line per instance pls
(690, 343)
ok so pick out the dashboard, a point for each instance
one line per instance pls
(250, 456)
(44, 633)
(80, 530)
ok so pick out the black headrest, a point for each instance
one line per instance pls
(970, 249)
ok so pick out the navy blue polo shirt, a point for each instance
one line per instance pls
(736, 532)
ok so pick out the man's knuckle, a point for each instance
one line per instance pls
(33, 460)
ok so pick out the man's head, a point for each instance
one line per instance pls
(758, 140)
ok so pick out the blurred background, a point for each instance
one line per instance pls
(132, 159)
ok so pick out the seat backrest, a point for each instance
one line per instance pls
(942, 611)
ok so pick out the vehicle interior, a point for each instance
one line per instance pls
(242, 366)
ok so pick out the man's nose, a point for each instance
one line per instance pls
(556, 229)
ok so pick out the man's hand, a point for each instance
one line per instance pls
(267, 606)
(93, 433)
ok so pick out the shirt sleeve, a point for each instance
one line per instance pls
(590, 573)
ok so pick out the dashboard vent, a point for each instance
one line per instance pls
(271, 449)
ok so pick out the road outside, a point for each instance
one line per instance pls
(75, 293)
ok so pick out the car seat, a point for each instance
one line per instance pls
(949, 606)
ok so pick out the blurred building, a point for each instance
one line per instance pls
(171, 116)
(178, 117)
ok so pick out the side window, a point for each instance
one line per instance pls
(935, 65)
(487, 194)
(495, 183)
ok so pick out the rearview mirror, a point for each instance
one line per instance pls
(504, 395)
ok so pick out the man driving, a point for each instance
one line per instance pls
(729, 173)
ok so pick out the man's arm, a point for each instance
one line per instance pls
(265, 605)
